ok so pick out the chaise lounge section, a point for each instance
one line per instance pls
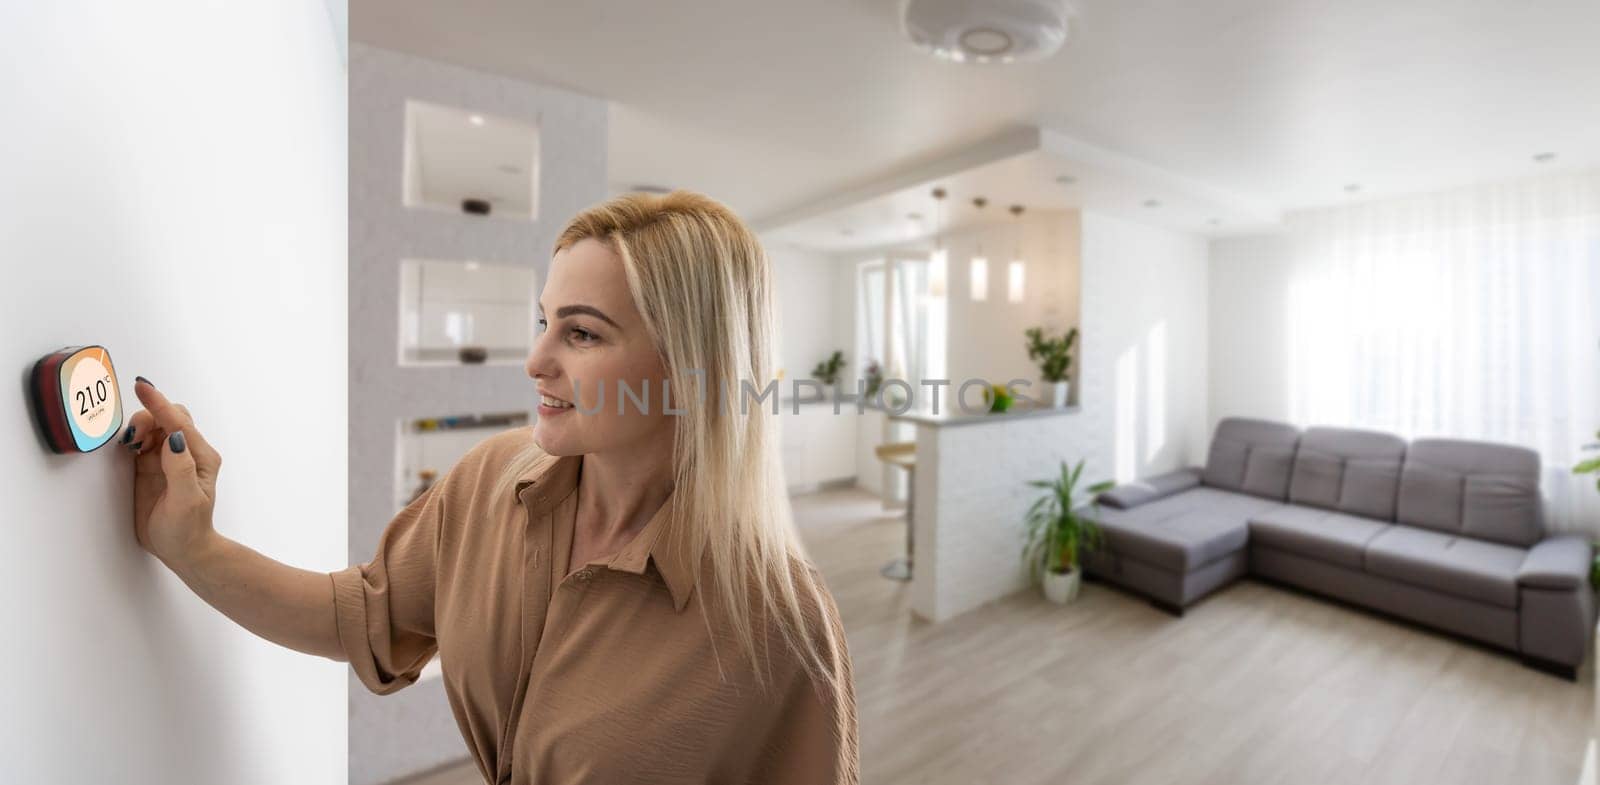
(1444, 532)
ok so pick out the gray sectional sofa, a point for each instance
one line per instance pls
(1444, 532)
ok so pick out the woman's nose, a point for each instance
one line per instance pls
(540, 364)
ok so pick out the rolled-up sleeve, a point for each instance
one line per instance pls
(384, 608)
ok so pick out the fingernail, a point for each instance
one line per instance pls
(142, 379)
(175, 441)
(128, 434)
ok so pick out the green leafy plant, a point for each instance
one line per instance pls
(1053, 355)
(874, 378)
(1592, 466)
(1057, 536)
(827, 371)
(998, 398)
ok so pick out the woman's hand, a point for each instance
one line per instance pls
(175, 477)
(174, 492)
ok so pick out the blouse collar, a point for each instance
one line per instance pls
(550, 482)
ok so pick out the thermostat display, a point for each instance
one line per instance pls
(75, 398)
(94, 392)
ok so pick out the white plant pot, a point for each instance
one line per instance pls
(1058, 391)
(1062, 587)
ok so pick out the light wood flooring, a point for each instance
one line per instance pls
(1257, 684)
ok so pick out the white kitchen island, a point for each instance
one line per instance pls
(971, 495)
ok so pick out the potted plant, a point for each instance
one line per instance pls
(1592, 466)
(1054, 356)
(874, 378)
(1057, 536)
(998, 398)
(827, 371)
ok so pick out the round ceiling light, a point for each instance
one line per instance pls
(986, 41)
(986, 31)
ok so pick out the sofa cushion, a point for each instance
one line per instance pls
(1132, 494)
(1462, 566)
(1333, 537)
(1184, 531)
(1251, 456)
(1348, 470)
(1479, 489)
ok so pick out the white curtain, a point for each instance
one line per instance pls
(1473, 314)
(870, 344)
(911, 329)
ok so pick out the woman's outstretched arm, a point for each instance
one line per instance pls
(175, 481)
(286, 605)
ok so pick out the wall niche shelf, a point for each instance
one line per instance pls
(453, 156)
(465, 313)
(429, 446)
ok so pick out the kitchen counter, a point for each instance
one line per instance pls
(971, 497)
(955, 416)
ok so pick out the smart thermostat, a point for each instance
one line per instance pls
(75, 398)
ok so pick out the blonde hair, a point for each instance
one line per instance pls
(703, 284)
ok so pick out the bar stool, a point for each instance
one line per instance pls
(903, 455)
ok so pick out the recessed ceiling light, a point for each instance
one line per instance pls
(1066, 179)
(475, 119)
(1544, 158)
(1352, 188)
(509, 169)
(1151, 203)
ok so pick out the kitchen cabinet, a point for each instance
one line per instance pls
(818, 446)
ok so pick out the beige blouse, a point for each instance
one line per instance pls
(606, 675)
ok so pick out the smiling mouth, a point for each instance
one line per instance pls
(553, 402)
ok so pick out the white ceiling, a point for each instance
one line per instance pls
(1032, 168)
(772, 106)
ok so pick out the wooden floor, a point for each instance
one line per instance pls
(1257, 684)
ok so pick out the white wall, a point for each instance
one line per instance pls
(808, 310)
(1249, 289)
(1145, 350)
(174, 189)
(846, 298)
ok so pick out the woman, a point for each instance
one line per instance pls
(617, 594)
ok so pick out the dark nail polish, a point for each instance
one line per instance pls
(128, 434)
(175, 441)
(146, 381)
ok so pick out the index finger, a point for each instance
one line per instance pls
(169, 417)
(172, 418)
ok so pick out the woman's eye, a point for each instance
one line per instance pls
(575, 334)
